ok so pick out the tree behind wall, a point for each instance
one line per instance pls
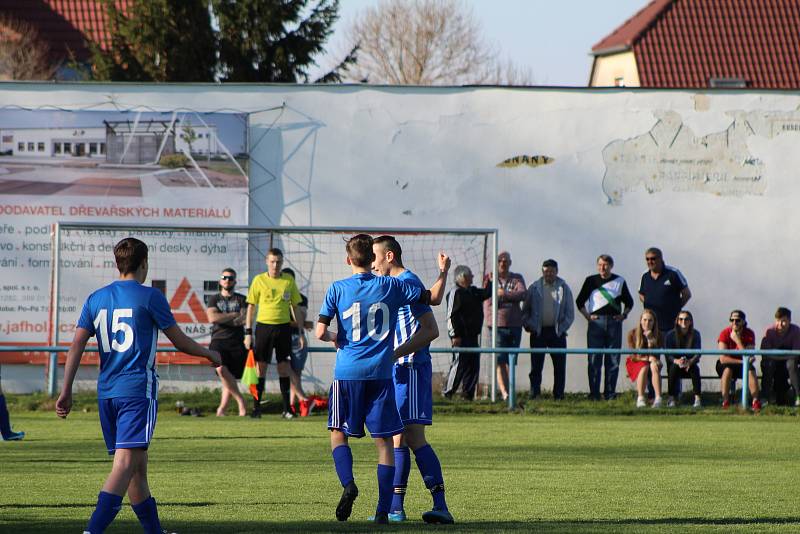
(426, 42)
(273, 40)
(23, 56)
(159, 41)
(256, 41)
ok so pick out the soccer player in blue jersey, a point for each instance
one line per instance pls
(413, 390)
(126, 316)
(365, 307)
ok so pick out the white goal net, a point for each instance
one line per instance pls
(185, 263)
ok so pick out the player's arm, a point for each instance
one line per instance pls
(322, 333)
(185, 344)
(74, 355)
(437, 289)
(428, 331)
(248, 326)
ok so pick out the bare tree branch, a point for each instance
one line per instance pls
(23, 56)
(425, 42)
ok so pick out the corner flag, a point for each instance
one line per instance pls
(250, 374)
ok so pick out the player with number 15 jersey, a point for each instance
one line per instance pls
(126, 316)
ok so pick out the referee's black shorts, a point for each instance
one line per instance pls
(273, 336)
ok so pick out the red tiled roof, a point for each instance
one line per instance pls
(686, 43)
(630, 30)
(66, 25)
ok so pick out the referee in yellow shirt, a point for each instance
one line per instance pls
(277, 298)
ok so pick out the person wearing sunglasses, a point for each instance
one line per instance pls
(226, 312)
(736, 336)
(663, 289)
(683, 336)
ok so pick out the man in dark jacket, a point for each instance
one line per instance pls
(464, 324)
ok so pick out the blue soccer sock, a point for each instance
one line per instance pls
(402, 468)
(431, 471)
(147, 512)
(108, 506)
(5, 422)
(385, 479)
(343, 461)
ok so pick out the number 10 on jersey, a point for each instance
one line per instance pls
(374, 331)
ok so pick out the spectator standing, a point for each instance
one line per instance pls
(605, 301)
(510, 292)
(663, 289)
(646, 335)
(464, 324)
(783, 335)
(547, 313)
(683, 336)
(737, 336)
(276, 296)
(226, 312)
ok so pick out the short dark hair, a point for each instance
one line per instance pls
(275, 252)
(550, 263)
(783, 312)
(289, 271)
(606, 258)
(229, 270)
(359, 250)
(130, 253)
(388, 242)
(656, 251)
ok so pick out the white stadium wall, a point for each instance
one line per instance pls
(709, 177)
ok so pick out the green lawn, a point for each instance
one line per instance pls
(535, 470)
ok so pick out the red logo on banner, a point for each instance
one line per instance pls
(196, 313)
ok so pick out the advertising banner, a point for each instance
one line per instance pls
(173, 168)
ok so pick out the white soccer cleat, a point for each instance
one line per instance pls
(657, 402)
(640, 402)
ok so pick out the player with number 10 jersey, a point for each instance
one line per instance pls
(365, 307)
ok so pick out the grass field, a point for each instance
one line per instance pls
(542, 469)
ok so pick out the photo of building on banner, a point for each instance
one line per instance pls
(130, 167)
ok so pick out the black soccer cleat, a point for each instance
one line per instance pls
(345, 506)
(381, 518)
(438, 517)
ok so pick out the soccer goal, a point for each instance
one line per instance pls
(185, 263)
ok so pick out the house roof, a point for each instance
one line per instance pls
(687, 43)
(66, 25)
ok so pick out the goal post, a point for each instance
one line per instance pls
(185, 263)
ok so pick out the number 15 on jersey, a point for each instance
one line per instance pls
(117, 325)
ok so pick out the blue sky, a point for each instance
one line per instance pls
(551, 37)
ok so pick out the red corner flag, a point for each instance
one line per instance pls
(250, 374)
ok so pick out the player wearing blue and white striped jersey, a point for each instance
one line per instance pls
(416, 326)
(125, 317)
(365, 307)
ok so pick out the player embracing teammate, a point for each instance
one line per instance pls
(366, 308)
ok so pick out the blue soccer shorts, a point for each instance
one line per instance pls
(355, 402)
(413, 393)
(127, 422)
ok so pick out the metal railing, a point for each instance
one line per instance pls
(511, 351)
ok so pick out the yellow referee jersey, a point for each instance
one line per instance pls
(274, 297)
